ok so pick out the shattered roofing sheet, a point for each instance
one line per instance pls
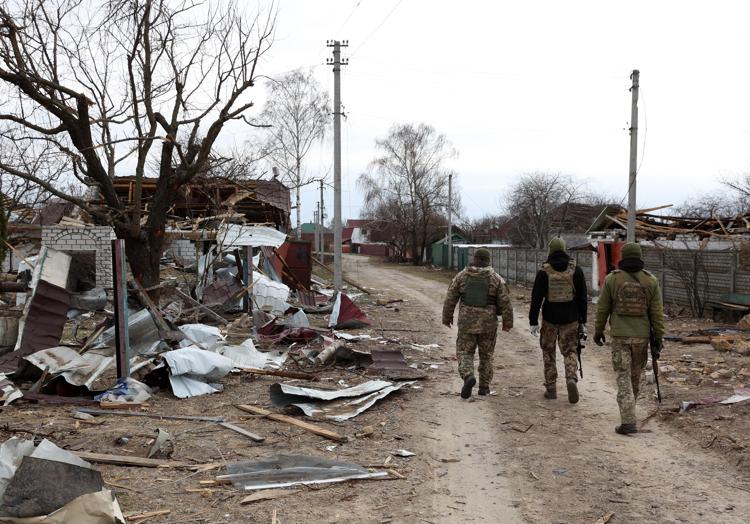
(329, 394)
(290, 470)
(231, 235)
(43, 325)
(339, 410)
(392, 364)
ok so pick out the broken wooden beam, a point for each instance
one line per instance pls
(126, 460)
(312, 428)
(241, 431)
(200, 306)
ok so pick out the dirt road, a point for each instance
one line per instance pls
(516, 457)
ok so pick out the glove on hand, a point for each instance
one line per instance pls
(599, 339)
(656, 347)
(534, 330)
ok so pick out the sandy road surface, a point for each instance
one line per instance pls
(516, 457)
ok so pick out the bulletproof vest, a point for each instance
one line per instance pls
(630, 295)
(560, 287)
(477, 291)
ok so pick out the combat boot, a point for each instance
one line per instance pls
(484, 390)
(469, 383)
(572, 391)
(626, 429)
(550, 393)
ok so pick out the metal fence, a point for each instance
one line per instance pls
(714, 273)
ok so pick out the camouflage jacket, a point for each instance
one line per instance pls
(473, 319)
(624, 326)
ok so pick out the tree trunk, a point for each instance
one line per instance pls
(144, 256)
(299, 215)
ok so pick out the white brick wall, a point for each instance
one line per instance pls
(183, 250)
(95, 238)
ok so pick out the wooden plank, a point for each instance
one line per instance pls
(241, 431)
(139, 517)
(312, 428)
(267, 494)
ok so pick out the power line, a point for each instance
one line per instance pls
(376, 29)
(338, 31)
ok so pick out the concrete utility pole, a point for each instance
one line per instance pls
(337, 62)
(316, 218)
(633, 155)
(322, 210)
(450, 221)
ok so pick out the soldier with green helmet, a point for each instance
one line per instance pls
(631, 301)
(560, 291)
(483, 295)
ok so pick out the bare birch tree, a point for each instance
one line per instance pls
(116, 87)
(408, 183)
(297, 115)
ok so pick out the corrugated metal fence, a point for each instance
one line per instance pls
(713, 273)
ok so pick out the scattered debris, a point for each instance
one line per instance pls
(291, 470)
(338, 405)
(740, 395)
(312, 428)
(192, 371)
(346, 314)
(267, 494)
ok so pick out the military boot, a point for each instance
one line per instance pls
(572, 391)
(626, 429)
(550, 393)
(484, 390)
(469, 383)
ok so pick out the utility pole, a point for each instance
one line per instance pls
(337, 62)
(316, 217)
(450, 221)
(633, 155)
(322, 212)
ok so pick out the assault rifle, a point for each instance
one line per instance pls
(579, 347)
(655, 351)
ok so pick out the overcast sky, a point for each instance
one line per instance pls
(534, 85)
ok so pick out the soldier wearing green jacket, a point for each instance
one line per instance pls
(631, 301)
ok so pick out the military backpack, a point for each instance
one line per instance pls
(560, 287)
(631, 299)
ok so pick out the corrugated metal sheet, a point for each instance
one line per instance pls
(43, 325)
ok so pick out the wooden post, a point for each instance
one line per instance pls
(119, 283)
(247, 277)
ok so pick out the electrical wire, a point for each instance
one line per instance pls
(376, 29)
(351, 13)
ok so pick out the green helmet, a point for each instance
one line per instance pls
(482, 254)
(556, 244)
(632, 250)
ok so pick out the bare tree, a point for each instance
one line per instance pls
(116, 87)
(534, 202)
(297, 115)
(408, 183)
(713, 205)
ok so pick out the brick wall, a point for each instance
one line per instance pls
(182, 250)
(95, 238)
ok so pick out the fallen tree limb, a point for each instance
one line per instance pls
(200, 306)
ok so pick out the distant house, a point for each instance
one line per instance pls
(308, 234)
(358, 236)
(439, 251)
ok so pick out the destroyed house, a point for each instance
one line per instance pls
(254, 201)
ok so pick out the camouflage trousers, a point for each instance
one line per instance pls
(629, 358)
(466, 343)
(566, 336)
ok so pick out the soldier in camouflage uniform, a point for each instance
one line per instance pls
(560, 291)
(483, 295)
(631, 301)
